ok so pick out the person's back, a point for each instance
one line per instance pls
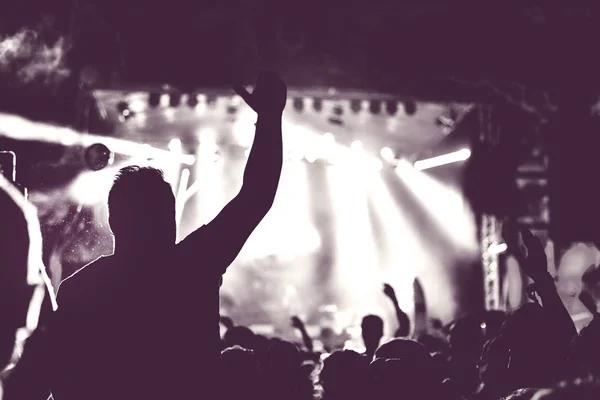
(126, 334)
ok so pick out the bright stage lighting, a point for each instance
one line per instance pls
(497, 248)
(449, 158)
(387, 154)
(175, 146)
(356, 145)
(18, 128)
(445, 204)
(165, 100)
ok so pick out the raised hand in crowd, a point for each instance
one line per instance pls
(530, 254)
(402, 318)
(306, 339)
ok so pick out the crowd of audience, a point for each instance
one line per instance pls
(115, 335)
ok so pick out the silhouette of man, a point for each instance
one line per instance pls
(372, 333)
(125, 331)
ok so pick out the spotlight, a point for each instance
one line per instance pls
(449, 158)
(154, 100)
(355, 106)
(192, 100)
(410, 107)
(298, 104)
(387, 154)
(124, 110)
(175, 100)
(98, 156)
(122, 106)
(375, 107)
(175, 146)
(317, 104)
(391, 107)
(356, 145)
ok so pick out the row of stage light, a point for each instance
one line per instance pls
(389, 107)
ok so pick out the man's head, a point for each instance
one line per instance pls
(372, 331)
(141, 209)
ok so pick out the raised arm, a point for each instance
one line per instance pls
(234, 224)
(534, 263)
(403, 319)
(298, 324)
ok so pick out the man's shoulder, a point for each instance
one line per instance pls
(84, 277)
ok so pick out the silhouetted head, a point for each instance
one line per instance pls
(241, 373)
(399, 378)
(537, 356)
(344, 375)
(141, 209)
(240, 336)
(372, 332)
(403, 349)
(20, 252)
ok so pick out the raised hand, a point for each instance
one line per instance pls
(297, 323)
(388, 290)
(532, 257)
(269, 95)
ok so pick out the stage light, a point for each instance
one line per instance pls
(391, 107)
(356, 145)
(410, 107)
(192, 100)
(387, 154)
(165, 100)
(154, 100)
(137, 106)
(317, 104)
(175, 146)
(449, 158)
(355, 106)
(98, 156)
(211, 100)
(298, 104)
(375, 107)
(175, 100)
(497, 248)
(124, 111)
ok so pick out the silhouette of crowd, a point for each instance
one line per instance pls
(119, 329)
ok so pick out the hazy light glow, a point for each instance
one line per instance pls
(445, 204)
(355, 246)
(19, 128)
(387, 154)
(175, 146)
(287, 230)
(460, 155)
(497, 248)
(165, 100)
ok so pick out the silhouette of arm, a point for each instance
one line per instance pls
(298, 324)
(403, 319)
(231, 228)
(234, 224)
(535, 265)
